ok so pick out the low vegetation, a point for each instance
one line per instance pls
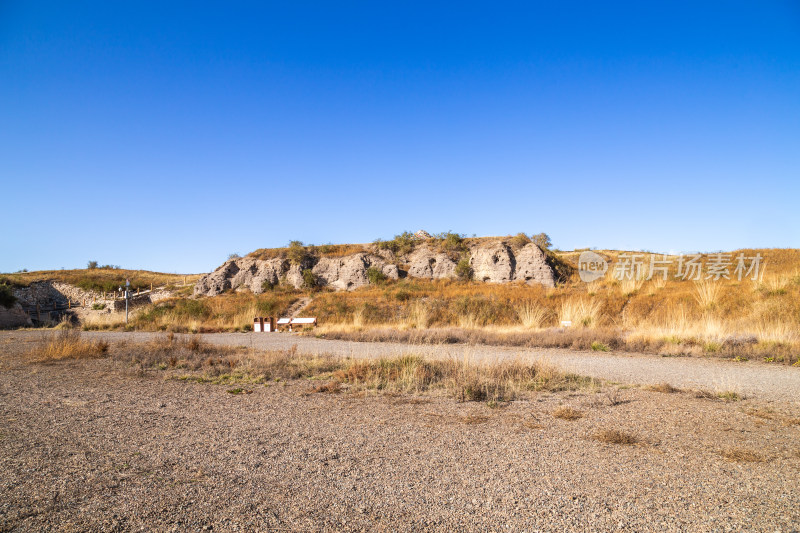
(7, 298)
(726, 318)
(226, 312)
(463, 379)
(615, 436)
(67, 344)
(100, 279)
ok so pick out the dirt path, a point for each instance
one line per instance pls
(771, 382)
(299, 305)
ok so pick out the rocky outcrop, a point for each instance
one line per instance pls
(14, 317)
(532, 267)
(350, 272)
(247, 272)
(426, 264)
(491, 262)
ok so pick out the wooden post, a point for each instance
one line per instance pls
(151, 287)
(184, 281)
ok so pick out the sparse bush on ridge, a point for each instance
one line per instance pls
(402, 244)
(542, 240)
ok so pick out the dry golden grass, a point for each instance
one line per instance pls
(580, 311)
(731, 318)
(226, 312)
(461, 379)
(567, 413)
(532, 316)
(741, 455)
(614, 436)
(68, 344)
(665, 388)
(101, 279)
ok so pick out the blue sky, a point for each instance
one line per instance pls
(166, 137)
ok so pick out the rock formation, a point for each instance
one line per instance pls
(491, 261)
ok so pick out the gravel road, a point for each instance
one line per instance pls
(771, 382)
(98, 445)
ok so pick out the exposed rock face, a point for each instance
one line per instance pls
(495, 264)
(492, 262)
(350, 272)
(532, 266)
(244, 271)
(424, 263)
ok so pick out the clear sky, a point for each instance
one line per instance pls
(167, 135)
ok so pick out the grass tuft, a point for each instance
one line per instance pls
(567, 413)
(613, 436)
(68, 344)
(741, 455)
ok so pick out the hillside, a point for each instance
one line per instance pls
(348, 267)
(99, 279)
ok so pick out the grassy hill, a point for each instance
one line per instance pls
(99, 279)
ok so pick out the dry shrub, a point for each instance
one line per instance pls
(567, 413)
(330, 387)
(741, 455)
(68, 344)
(614, 436)
(663, 387)
(465, 380)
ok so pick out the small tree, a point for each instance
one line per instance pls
(91, 265)
(297, 253)
(234, 255)
(542, 240)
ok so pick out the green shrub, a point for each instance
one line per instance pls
(267, 285)
(519, 240)
(400, 245)
(542, 240)
(98, 307)
(451, 242)
(91, 265)
(7, 298)
(463, 269)
(375, 275)
(297, 253)
(309, 279)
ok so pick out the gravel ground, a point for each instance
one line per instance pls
(773, 382)
(95, 445)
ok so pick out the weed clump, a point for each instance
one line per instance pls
(614, 436)
(68, 344)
